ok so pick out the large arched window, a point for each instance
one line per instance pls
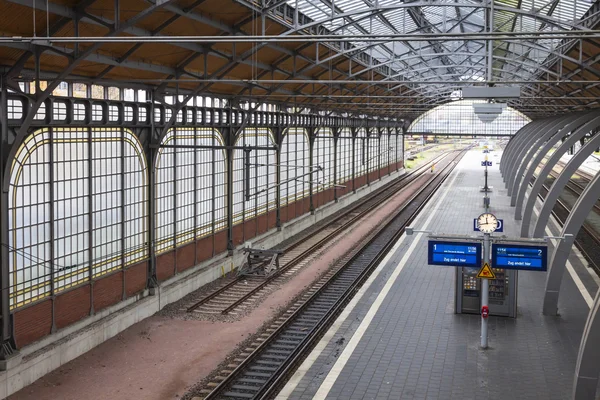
(374, 154)
(459, 117)
(323, 148)
(344, 156)
(254, 174)
(190, 186)
(77, 209)
(295, 166)
(361, 153)
(384, 148)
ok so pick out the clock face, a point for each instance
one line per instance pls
(487, 223)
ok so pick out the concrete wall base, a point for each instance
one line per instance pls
(42, 357)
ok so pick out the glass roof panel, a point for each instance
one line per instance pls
(452, 60)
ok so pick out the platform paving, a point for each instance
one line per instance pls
(416, 347)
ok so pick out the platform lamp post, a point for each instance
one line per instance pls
(486, 223)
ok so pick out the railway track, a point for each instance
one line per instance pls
(236, 293)
(588, 238)
(265, 365)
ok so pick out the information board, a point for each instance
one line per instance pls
(457, 254)
(523, 257)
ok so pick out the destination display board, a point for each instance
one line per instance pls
(522, 257)
(456, 254)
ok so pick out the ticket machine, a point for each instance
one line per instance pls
(502, 292)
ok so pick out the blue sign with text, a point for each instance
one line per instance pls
(457, 254)
(500, 227)
(523, 257)
(486, 163)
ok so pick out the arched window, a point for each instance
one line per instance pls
(294, 166)
(254, 174)
(459, 117)
(344, 156)
(190, 187)
(323, 148)
(361, 153)
(77, 209)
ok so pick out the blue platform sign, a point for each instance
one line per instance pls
(523, 257)
(500, 227)
(456, 254)
(486, 163)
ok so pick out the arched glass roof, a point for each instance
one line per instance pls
(459, 118)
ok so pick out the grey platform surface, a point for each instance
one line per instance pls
(417, 348)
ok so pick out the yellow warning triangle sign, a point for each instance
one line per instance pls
(486, 272)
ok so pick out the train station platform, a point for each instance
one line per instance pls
(400, 337)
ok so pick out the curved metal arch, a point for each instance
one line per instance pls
(530, 45)
(562, 127)
(525, 146)
(517, 154)
(587, 368)
(513, 145)
(559, 184)
(517, 137)
(575, 220)
(548, 129)
(437, 76)
(575, 135)
(384, 9)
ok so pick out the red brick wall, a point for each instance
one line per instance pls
(220, 242)
(33, 323)
(186, 257)
(249, 228)
(135, 278)
(108, 291)
(165, 264)
(72, 306)
(204, 248)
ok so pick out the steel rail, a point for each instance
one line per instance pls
(392, 189)
(271, 384)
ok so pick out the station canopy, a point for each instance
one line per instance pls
(362, 57)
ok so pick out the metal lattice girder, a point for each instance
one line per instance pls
(521, 184)
(517, 152)
(558, 186)
(575, 131)
(587, 368)
(575, 220)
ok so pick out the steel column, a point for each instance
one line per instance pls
(522, 149)
(534, 151)
(6, 331)
(587, 368)
(554, 158)
(579, 213)
(559, 184)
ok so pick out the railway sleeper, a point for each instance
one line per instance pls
(251, 381)
(261, 361)
(257, 374)
(275, 356)
(245, 387)
(239, 395)
(284, 347)
(259, 368)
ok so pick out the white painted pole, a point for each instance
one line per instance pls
(485, 291)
